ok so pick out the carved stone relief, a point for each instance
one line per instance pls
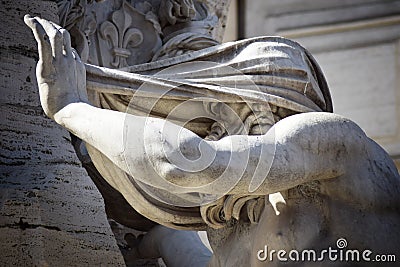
(121, 33)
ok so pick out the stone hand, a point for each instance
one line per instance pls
(61, 75)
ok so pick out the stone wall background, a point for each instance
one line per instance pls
(51, 214)
(357, 44)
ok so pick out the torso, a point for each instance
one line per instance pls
(362, 206)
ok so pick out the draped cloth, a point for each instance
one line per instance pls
(263, 70)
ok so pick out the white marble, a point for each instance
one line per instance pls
(331, 180)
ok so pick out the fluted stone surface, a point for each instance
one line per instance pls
(51, 214)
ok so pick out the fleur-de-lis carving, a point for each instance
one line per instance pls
(120, 35)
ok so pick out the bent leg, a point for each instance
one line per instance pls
(177, 248)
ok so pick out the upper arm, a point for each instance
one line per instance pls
(312, 146)
(303, 148)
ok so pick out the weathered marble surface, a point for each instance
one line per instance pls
(51, 214)
(331, 179)
(244, 147)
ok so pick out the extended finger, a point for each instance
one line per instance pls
(66, 41)
(56, 39)
(81, 82)
(80, 76)
(58, 27)
(44, 46)
(76, 55)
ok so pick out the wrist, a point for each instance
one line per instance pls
(68, 113)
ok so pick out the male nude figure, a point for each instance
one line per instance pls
(355, 184)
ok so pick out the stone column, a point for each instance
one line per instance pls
(51, 214)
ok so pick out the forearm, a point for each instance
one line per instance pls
(151, 150)
(102, 129)
(147, 148)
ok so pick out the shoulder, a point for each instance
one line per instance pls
(311, 121)
(314, 128)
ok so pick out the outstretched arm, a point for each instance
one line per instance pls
(298, 149)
